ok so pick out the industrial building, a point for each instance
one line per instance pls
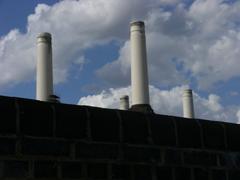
(46, 139)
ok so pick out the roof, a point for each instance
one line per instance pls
(61, 141)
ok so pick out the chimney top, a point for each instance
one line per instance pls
(124, 97)
(124, 102)
(44, 37)
(137, 26)
(187, 92)
(137, 23)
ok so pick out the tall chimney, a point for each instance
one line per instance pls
(44, 87)
(139, 71)
(188, 108)
(124, 102)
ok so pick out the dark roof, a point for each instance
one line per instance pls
(53, 140)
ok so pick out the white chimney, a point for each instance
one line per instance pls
(188, 108)
(139, 70)
(124, 102)
(44, 87)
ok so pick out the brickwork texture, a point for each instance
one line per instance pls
(40, 140)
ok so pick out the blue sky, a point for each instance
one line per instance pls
(14, 13)
(189, 43)
(71, 90)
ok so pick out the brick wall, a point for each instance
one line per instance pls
(58, 141)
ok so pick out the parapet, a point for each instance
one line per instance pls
(60, 141)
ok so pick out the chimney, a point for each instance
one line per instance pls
(44, 84)
(139, 72)
(188, 108)
(124, 102)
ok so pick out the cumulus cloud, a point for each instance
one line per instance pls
(168, 102)
(120, 67)
(198, 40)
(75, 26)
(106, 99)
(160, 50)
(238, 116)
(161, 67)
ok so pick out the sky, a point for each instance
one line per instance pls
(190, 44)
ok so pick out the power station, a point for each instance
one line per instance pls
(44, 139)
(139, 73)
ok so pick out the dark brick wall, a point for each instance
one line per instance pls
(57, 141)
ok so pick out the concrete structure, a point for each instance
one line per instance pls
(124, 102)
(188, 108)
(44, 84)
(139, 70)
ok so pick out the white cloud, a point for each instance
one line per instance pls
(196, 41)
(120, 67)
(75, 27)
(238, 116)
(161, 68)
(201, 41)
(107, 98)
(15, 61)
(168, 102)
(214, 46)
